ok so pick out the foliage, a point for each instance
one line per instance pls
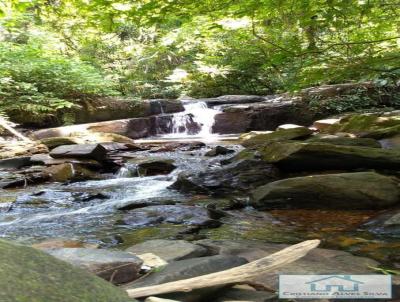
(34, 84)
(157, 48)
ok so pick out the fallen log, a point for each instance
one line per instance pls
(4, 124)
(238, 274)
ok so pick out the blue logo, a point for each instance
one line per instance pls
(343, 283)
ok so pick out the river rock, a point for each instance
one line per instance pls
(387, 223)
(20, 149)
(345, 141)
(302, 156)
(155, 166)
(23, 179)
(15, 162)
(27, 274)
(239, 176)
(266, 115)
(47, 160)
(69, 172)
(219, 150)
(176, 214)
(162, 106)
(53, 142)
(189, 268)
(234, 99)
(114, 266)
(90, 151)
(358, 191)
(279, 135)
(375, 126)
(325, 124)
(168, 250)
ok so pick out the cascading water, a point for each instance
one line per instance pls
(196, 121)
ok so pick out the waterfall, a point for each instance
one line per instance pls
(197, 121)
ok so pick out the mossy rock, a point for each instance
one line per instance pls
(301, 156)
(346, 141)
(356, 191)
(368, 125)
(30, 275)
(53, 142)
(279, 135)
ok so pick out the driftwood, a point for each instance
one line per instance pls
(238, 274)
(5, 125)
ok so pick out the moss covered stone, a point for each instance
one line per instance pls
(279, 135)
(301, 156)
(30, 275)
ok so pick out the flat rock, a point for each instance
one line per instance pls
(168, 250)
(176, 214)
(53, 142)
(357, 191)
(189, 268)
(114, 266)
(15, 162)
(322, 125)
(279, 135)
(27, 274)
(90, 151)
(345, 141)
(302, 156)
(47, 160)
(237, 177)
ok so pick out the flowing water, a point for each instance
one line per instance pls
(195, 122)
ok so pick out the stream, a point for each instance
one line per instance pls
(89, 211)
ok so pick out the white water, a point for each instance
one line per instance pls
(196, 113)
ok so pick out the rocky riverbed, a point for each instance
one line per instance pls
(120, 208)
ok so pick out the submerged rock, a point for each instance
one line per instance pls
(362, 190)
(302, 156)
(219, 150)
(90, 151)
(27, 274)
(169, 250)
(239, 176)
(114, 266)
(175, 214)
(279, 135)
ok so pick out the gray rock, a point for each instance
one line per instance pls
(219, 150)
(90, 151)
(360, 190)
(155, 166)
(15, 162)
(47, 160)
(387, 223)
(114, 266)
(176, 214)
(239, 294)
(240, 176)
(27, 274)
(234, 99)
(168, 250)
(189, 268)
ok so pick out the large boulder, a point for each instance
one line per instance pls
(279, 135)
(168, 250)
(266, 115)
(345, 141)
(154, 166)
(360, 190)
(302, 156)
(114, 266)
(237, 177)
(89, 151)
(27, 274)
